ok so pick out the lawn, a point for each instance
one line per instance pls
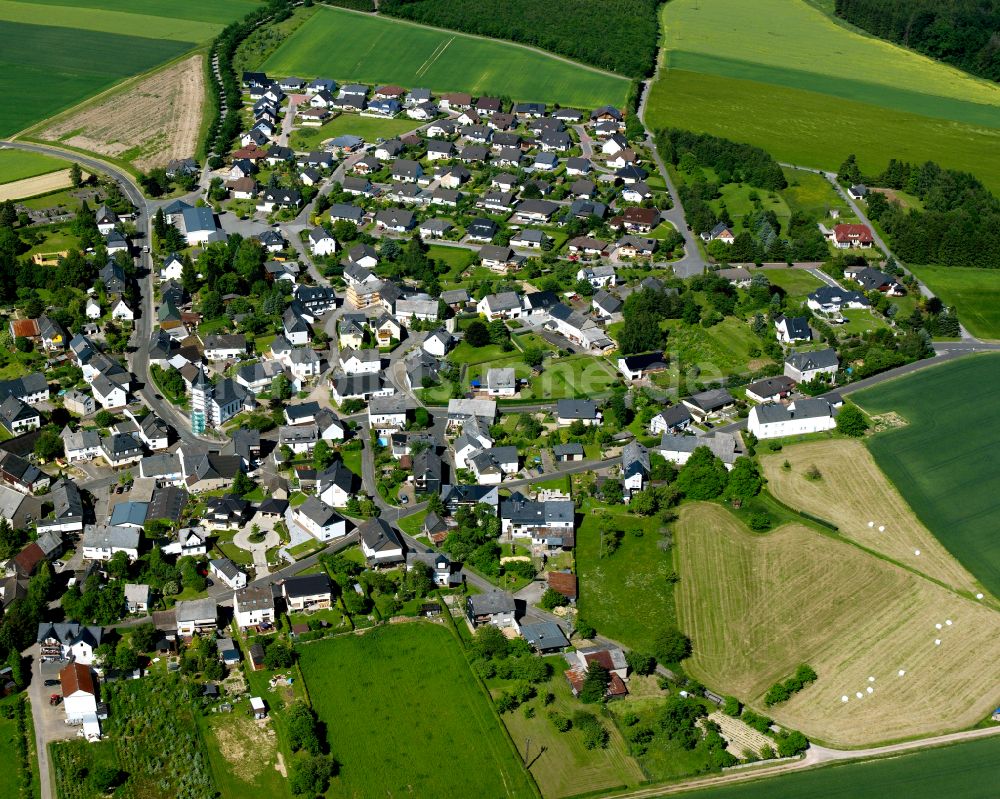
(10, 786)
(45, 69)
(719, 350)
(756, 606)
(797, 283)
(937, 460)
(736, 199)
(20, 164)
(853, 491)
(339, 44)
(958, 772)
(975, 293)
(368, 128)
(812, 195)
(403, 697)
(243, 755)
(625, 595)
(564, 766)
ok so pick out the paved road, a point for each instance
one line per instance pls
(144, 323)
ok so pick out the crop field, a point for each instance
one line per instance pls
(942, 461)
(851, 492)
(20, 164)
(958, 772)
(149, 122)
(405, 716)
(756, 606)
(810, 91)
(625, 595)
(346, 46)
(974, 292)
(55, 55)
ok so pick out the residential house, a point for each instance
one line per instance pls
(307, 592)
(253, 607)
(797, 418)
(380, 543)
(833, 299)
(22, 475)
(18, 417)
(137, 598)
(494, 607)
(319, 520)
(790, 329)
(196, 616)
(505, 305)
(847, 236)
(69, 640)
(635, 467)
(321, 243)
(101, 543)
(335, 484)
(491, 465)
(545, 637)
(804, 367)
(79, 693)
(549, 524)
(679, 448)
(674, 419)
(438, 343)
(770, 389)
(569, 411)
(708, 403)
(501, 382)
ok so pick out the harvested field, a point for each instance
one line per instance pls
(31, 187)
(149, 124)
(851, 492)
(756, 606)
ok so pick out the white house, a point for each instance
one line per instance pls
(379, 543)
(225, 570)
(792, 328)
(196, 616)
(387, 413)
(320, 520)
(438, 343)
(100, 543)
(321, 243)
(79, 692)
(495, 607)
(109, 394)
(803, 367)
(799, 417)
(635, 466)
(121, 312)
(253, 607)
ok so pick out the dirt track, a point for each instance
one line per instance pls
(153, 122)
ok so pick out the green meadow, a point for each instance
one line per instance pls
(974, 292)
(940, 460)
(353, 47)
(20, 164)
(782, 75)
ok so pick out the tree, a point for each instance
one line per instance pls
(323, 456)
(671, 646)
(552, 599)
(278, 655)
(679, 718)
(49, 445)
(301, 729)
(126, 660)
(117, 565)
(640, 662)
(703, 477)
(104, 418)
(242, 485)
(144, 637)
(103, 777)
(477, 334)
(851, 421)
(76, 175)
(490, 643)
(584, 629)
(744, 480)
(595, 684)
(311, 774)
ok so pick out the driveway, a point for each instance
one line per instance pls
(50, 721)
(258, 550)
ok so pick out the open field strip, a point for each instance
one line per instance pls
(221, 12)
(19, 164)
(348, 46)
(174, 28)
(853, 492)
(404, 716)
(31, 187)
(959, 771)
(974, 292)
(756, 606)
(818, 92)
(944, 460)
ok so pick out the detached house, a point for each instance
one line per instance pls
(799, 417)
(804, 367)
(495, 607)
(380, 543)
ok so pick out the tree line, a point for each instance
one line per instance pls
(617, 35)
(731, 161)
(959, 32)
(959, 224)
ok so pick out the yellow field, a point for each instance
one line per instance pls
(851, 492)
(756, 606)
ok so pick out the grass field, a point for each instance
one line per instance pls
(812, 195)
(940, 460)
(853, 491)
(974, 292)
(756, 606)
(368, 128)
(958, 772)
(565, 767)
(10, 787)
(797, 283)
(20, 164)
(243, 755)
(810, 91)
(339, 44)
(406, 717)
(625, 595)
(55, 55)
(720, 350)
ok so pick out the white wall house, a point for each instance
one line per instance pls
(799, 417)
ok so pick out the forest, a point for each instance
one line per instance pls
(959, 32)
(958, 226)
(616, 35)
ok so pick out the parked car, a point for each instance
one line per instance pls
(50, 683)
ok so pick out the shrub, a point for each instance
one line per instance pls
(559, 721)
(671, 646)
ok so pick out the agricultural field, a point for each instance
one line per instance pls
(419, 733)
(851, 492)
(343, 45)
(756, 606)
(19, 164)
(958, 772)
(624, 594)
(55, 55)
(149, 123)
(368, 128)
(937, 460)
(810, 91)
(974, 292)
